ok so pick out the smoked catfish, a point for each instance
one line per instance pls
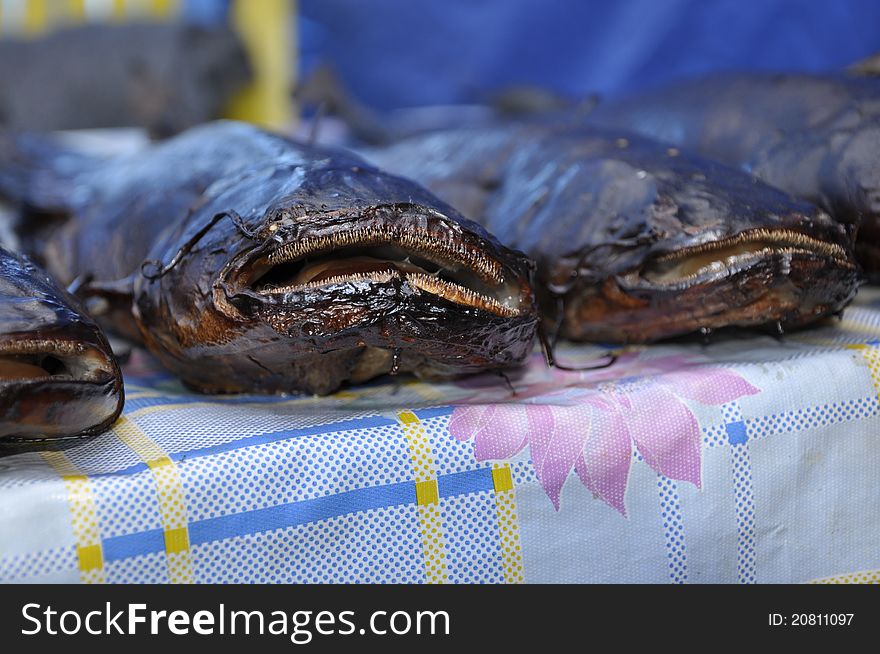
(637, 241)
(248, 262)
(58, 377)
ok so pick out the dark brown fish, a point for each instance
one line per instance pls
(275, 266)
(162, 76)
(58, 377)
(814, 136)
(637, 240)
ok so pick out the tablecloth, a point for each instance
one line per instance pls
(745, 459)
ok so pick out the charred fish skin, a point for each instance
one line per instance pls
(416, 287)
(279, 267)
(637, 240)
(58, 376)
(814, 136)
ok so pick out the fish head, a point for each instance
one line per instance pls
(58, 377)
(340, 275)
(697, 247)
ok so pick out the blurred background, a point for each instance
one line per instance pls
(276, 62)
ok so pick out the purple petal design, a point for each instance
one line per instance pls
(467, 420)
(589, 422)
(499, 430)
(707, 385)
(557, 438)
(606, 459)
(666, 433)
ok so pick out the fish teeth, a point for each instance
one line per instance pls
(379, 277)
(459, 294)
(423, 281)
(488, 269)
(42, 346)
(769, 236)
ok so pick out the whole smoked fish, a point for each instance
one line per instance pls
(58, 377)
(249, 263)
(634, 240)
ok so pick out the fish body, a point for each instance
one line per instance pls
(165, 77)
(58, 376)
(814, 136)
(248, 262)
(636, 240)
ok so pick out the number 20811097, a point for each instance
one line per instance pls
(810, 619)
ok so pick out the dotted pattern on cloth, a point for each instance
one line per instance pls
(508, 524)
(427, 498)
(867, 577)
(673, 526)
(89, 553)
(369, 486)
(170, 497)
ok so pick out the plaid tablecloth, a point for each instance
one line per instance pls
(748, 459)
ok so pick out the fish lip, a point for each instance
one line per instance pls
(753, 297)
(779, 236)
(94, 365)
(84, 400)
(778, 242)
(422, 242)
(789, 286)
(434, 237)
(86, 409)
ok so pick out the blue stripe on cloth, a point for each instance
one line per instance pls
(673, 529)
(296, 513)
(260, 439)
(741, 463)
(433, 412)
(143, 402)
(129, 545)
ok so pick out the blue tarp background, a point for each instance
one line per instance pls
(395, 53)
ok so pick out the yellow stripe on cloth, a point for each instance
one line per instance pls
(865, 577)
(427, 498)
(89, 553)
(169, 490)
(872, 357)
(508, 524)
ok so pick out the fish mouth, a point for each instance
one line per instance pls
(55, 388)
(26, 360)
(718, 260)
(428, 264)
(776, 279)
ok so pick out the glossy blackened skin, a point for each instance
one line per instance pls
(38, 317)
(220, 336)
(814, 136)
(596, 207)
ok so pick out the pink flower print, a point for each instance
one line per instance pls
(603, 465)
(590, 423)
